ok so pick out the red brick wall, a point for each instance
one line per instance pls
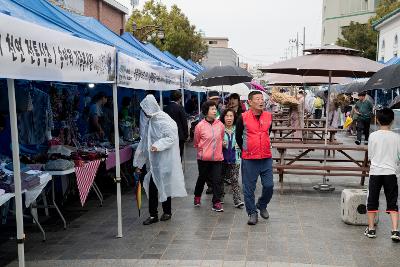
(106, 14)
(112, 18)
(92, 8)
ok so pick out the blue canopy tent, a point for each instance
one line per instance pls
(392, 61)
(80, 26)
(153, 52)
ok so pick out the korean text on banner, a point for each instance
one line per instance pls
(133, 73)
(32, 52)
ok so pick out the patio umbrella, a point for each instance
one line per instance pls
(386, 78)
(330, 61)
(287, 79)
(222, 75)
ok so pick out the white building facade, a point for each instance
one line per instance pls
(389, 34)
(337, 14)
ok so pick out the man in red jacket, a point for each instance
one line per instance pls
(252, 136)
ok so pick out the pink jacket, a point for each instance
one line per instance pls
(208, 140)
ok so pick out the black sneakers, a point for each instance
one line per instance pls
(395, 236)
(150, 220)
(165, 217)
(358, 142)
(371, 233)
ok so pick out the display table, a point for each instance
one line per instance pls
(125, 154)
(30, 197)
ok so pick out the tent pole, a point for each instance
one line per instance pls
(161, 101)
(198, 102)
(183, 88)
(183, 105)
(117, 160)
(223, 98)
(17, 172)
(376, 102)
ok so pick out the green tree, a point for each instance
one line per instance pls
(180, 37)
(362, 36)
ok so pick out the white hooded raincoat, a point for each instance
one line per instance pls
(164, 165)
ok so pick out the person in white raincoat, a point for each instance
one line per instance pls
(159, 150)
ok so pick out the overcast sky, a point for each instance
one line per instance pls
(258, 30)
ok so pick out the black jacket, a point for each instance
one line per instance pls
(177, 113)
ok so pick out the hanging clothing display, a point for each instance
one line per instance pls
(35, 125)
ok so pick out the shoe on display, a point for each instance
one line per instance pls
(357, 142)
(371, 233)
(366, 143)
(253, 219)
(150, 220)
(217, 207)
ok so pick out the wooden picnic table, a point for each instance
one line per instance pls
(287, 166)
(308, 123)
(284, 132)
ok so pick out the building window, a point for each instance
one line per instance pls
(212, 42)
(395, 45)
(364, 5)
(383, 46)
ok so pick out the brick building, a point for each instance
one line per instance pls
(109, 12)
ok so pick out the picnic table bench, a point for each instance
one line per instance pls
(285, 132)
(286, 165)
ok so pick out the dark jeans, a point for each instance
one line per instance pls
(181, 148)
(318, 114)
(389, 183)
(213, 171)
(363, 128)
(153, 201)
(251, 169)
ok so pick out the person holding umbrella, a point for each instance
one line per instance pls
(252, 136)
(363, 109)
(159, 150)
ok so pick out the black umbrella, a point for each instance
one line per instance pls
(355, 87)
(222, 75)
(386, 78)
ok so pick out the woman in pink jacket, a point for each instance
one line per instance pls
(208, 137)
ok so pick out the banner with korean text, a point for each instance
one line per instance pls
(134, 73)
(32, 52)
